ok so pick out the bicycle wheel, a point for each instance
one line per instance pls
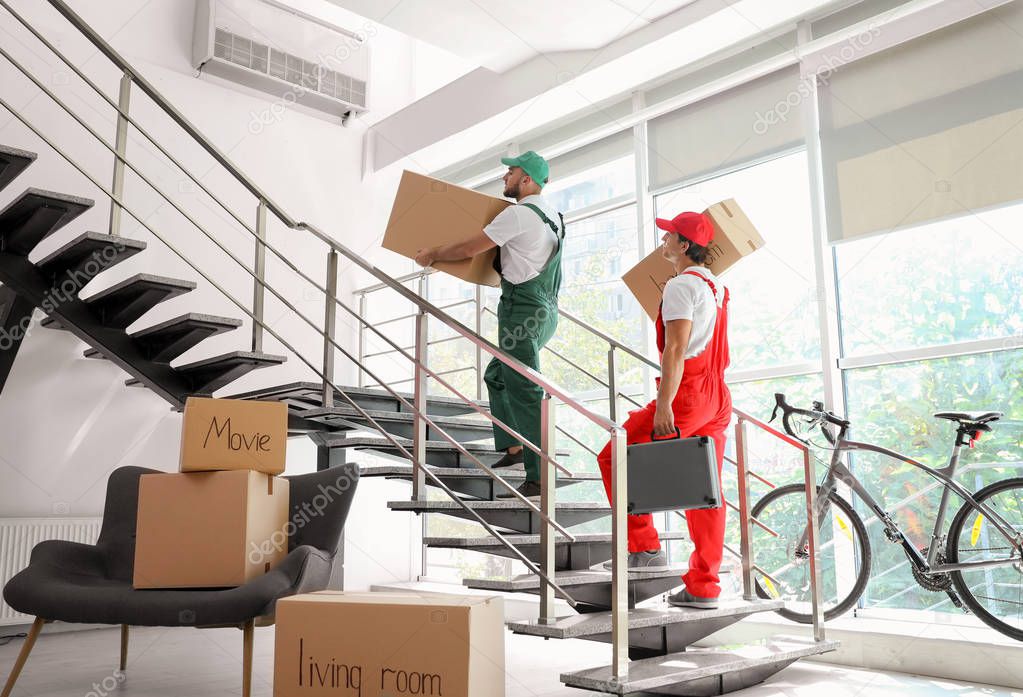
(994, 595)
(844, 557)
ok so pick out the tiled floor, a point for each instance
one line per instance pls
(176, 662)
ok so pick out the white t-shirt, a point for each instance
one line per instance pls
(687, 297)
(526, 241)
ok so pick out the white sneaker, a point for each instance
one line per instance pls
(645, 561)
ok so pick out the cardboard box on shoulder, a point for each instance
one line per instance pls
(234, 434)
(209, 529)
(734, 238)
(428, 212)
(386, 644)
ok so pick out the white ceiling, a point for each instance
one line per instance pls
(499, 34)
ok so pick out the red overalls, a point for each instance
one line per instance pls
(702, 407)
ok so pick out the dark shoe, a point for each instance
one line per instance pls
(645, 561)
(530, 490)
(509, 460)
(686, 599)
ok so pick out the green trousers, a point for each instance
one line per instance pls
(526, 321)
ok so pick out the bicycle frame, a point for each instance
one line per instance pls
(838, 472)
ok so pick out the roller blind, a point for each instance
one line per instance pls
(600, 152)
(744, 124)
(930, 129)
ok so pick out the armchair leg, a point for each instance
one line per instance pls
(124, 647)
(248, 632)
(26, 649)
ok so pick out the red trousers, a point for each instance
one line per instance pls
(705, 415)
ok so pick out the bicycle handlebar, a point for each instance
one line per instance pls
(817, 416)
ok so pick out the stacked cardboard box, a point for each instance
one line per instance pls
(222, 520)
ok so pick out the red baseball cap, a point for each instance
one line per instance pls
(695, 227)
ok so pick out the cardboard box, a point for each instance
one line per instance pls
(734, 238)
(209, 529)
(387, 644)
(429, 212)
(234, 434)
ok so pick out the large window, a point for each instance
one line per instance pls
(773, 317)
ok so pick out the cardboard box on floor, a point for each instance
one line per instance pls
(734, 238)
(385, 644)
(209, 529)
(233, 434)
(428, 212)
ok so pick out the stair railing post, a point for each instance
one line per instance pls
(362, 340)
(259, 272)
(121, 148)
(813, 543)
(745, 521)
(619, 558)
(548, 434)
(479, 349)
(329, 329)
(419, 399)
(612, 390)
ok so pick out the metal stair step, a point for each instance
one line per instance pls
(34, 216)
(166, 341)
(309, 394)
(509, 514)
(702, 671)
(590, 587)
(89, 254)
(470, 482)
(460, 428)
(125, 302)
(439, 453)
(211, 374)
(585, 551)
(653, 630)
(12, 163)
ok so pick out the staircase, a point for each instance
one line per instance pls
(441, 446)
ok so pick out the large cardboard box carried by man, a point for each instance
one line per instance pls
(209, 529)
(734, 238)
(386, 644)
(428, 212)
(234, 434)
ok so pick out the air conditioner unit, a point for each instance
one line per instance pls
(295, 57)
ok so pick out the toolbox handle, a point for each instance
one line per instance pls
(654, 438)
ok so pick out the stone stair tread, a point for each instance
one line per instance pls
(665, 671)
(347, 410)
(596, 623)
(504, 504)
(231, 356)
(141, 278)
(566, 579)
(490, 541)
(17, 152)
(399, 470)
(88, 242)
(189, 317)
(315, 389)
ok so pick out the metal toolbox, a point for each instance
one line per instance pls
(673, 474)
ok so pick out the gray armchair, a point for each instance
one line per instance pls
(72, 582)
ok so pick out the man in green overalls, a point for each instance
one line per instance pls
(529, 245)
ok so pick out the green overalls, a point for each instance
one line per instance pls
(527, 317)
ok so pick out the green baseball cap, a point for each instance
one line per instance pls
(532, 164)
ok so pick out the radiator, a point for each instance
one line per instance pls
(19, 535)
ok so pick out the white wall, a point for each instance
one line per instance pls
(66, 422)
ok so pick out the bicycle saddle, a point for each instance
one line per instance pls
(969, 417)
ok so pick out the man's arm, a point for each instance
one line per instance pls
(676, 341)
(456, 251)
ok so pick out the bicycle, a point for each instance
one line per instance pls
(987, 579)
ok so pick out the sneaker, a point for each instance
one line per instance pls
(530, 490)
(686, 599)
(509, 460)
(645, 561)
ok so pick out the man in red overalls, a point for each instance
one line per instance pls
(692, 338)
